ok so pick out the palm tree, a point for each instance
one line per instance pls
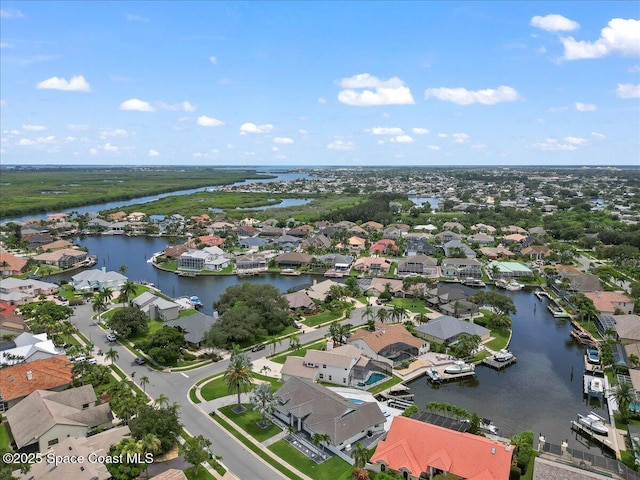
(263, 400)
(294, 342)
(150, 443)
(112, 355)
(422, 318)
(274, 341)
(398, 313)
(360, 455)
(127, 291)
(98, 305)
(383, 315)
(123, 269)
(106, 294)
(318, 438)
(162, 400)
(238, 375)
(143, 383)
(369, 312)
(634, 360)
(624, 395)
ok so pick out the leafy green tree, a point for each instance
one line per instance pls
(248, 311)
(125, 470)
(128, 321)
(7, 469)
(195, 451)
(500, 303)
(164, 345)
(150, 443)
(238, 375)
(319, 438)
(160, 421)
(124, 403)
(523, 442)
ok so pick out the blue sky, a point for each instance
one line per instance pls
(320, 83)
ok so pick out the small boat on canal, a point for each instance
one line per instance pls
(594, 423)
(503, 355)
(459, 367)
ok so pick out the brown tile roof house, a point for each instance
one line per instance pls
(171, 474)
(293, 259)
(387, 341)
(10, 264)
(57, 245)
(608, 302)
(298, 300)
(10, 323)
(18, 381)
(316, 409)
(372, 225)
(43, 418)
(174, 251)
(64, 258)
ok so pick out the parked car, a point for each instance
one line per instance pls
(297, 324)
(258, 347)
(111, 337)
(140, 360)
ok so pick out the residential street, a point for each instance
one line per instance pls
(176, 387)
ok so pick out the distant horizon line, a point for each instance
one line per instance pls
(294, 167)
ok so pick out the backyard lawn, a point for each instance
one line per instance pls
(248, 421)
(320, 318)
(333, 469)
(500, 338)
(384, 385)
(411, 304)
(5, 440)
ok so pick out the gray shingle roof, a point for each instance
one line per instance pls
(446, 328)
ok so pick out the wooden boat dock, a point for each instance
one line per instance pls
(493, 363)
(449, 377)
(603, 440)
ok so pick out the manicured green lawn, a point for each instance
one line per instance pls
(217, 387)
(248, 421)
(320, 318)
(301, 352)
(154, 326)
(188, 312)
(203, 474)
(384, 385)
(411, 304)
(5, 439)
(333, 469)
(501, 337)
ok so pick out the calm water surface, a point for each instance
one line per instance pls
(537, 393)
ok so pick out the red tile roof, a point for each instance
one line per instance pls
(11, 262)
(46, 374)
(415, 446)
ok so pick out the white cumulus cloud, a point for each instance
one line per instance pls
(76, 126)
(462, 96)
(628, 90)
(253, 128)
(621, 36)
(205, 121)
(283, 140)
(402, 139)
(11, 13)
(364, 90)
(460, 137)
(178, 107)
(107, 147)
(112, 132)
(435, 148)
(213, 59)
(585, 107)
(75, 84)
(137, 105)
(552, 144)
(25, 142)
(420, 131)
(554, 23)
(341, 145)
(34, 128)
(385, 131)
(575, 140)
(153, 153)
(599, 136)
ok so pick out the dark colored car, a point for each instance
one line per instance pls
(258, 347)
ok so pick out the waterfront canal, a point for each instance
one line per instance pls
(542, 392)
(114, 251)
(538, 393)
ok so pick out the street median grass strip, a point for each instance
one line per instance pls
(333, 469)
(251, 446)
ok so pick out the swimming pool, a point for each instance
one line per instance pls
(356, 401)
(373, 378)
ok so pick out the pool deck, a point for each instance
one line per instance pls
(355, 394)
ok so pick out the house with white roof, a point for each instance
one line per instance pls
(27, 347)
(156, 308)
(97, 280)
(17, 291)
